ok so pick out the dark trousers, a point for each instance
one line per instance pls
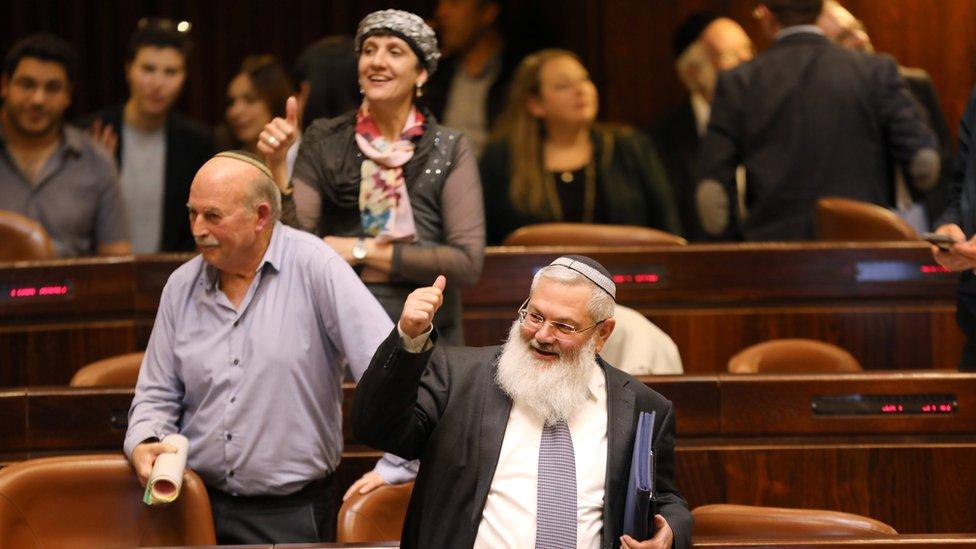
(966, 318)
(307, 516)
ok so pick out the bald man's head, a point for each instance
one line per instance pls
(842, 28)
(233, 207)
(726, 44)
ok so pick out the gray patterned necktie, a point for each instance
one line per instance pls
(556, 505)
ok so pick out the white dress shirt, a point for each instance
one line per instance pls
(509, 517)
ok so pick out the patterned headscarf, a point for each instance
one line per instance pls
(411, 28)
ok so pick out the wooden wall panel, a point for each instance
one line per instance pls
(904, 485)
(50, 355)
(625, 43)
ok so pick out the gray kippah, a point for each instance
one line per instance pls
(591, 269)
(407, 26)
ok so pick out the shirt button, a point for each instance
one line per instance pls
(237, 361)
(231, 474)
(235, 323)
(232, 399)
(230, 436)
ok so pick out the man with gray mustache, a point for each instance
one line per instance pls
(247, 357)
(524, 445)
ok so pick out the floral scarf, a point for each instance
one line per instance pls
(383, 202)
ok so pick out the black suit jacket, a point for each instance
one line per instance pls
(809, 119)
(444, 407)
(677, 140)
(188, 146)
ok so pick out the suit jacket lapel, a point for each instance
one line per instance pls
(494, 420)
(620, 441)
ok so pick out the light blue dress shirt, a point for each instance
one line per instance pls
(257, 389)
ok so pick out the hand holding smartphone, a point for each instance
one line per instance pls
(943, 241)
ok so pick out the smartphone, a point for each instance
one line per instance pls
(943, 241)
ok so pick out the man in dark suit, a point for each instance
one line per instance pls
(158, 150)
(703, 44)
(475, 418)
(807, 119)
(841, 27)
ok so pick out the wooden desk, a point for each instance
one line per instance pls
(752, 440)
(886, 303)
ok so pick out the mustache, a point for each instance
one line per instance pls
(545, 347)
(206, 241)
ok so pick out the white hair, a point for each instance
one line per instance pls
(263, 189)
(549, 390)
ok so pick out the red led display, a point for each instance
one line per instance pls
(638, 278)
(24, 292)
(929, 269)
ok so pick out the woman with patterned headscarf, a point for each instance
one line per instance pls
(396, 194)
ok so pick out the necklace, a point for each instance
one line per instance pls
(589, 191)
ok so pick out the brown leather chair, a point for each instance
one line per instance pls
(854, 220)
(23, 238)
(95, 501)
(375, 516)
(793, 356)
(751, 521)
(117, 370)
(587, 234)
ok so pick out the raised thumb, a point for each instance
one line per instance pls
(291, 110)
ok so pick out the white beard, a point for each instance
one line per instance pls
(551, 391)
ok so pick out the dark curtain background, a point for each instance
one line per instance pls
(625, 43)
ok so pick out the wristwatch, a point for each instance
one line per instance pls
(359, 250)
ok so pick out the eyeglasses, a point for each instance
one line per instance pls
(535, 321)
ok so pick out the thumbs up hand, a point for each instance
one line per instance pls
(279, 135)
(420, 307)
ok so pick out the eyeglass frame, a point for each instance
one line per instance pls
(523, 313)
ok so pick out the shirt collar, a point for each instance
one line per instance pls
(597, 382)
(72, 139)
(798, 29)
(272, 256)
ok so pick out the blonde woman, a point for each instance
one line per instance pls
(551, 161)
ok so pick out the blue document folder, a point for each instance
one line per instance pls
(640, 510)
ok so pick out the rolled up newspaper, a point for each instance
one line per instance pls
(166, 477)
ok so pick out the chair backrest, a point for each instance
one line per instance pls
(23, 238)
(584, 234)
(375, 516)
(854, 220)
(793, 356)
(95, 501)
(115, 370)
(730, 520)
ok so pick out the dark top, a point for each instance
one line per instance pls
(809, 119)
(630, 184)
(444, 407)
(677, 140)
(188, 146)
(445, 196)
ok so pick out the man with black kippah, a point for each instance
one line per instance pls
(703, 45)
(524, 445)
